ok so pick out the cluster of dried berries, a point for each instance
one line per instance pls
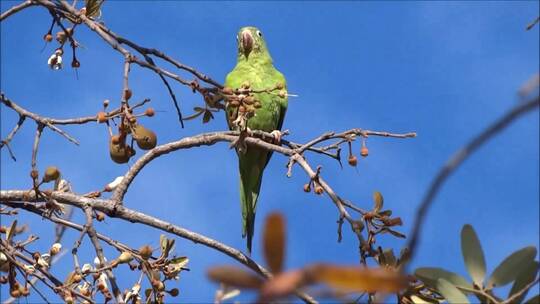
(243, 103)
(119, 149)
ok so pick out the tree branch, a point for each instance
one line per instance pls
(457, 159)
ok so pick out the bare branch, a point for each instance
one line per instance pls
(458, 158)
(17, 8)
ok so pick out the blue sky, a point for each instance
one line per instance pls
(442, 69)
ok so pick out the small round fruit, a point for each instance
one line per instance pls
(145, 252)
(227, 91)
(307, 188)
(319, 190)
(48, 37)
(150, 112)
(364, 151)
(51, 173)
(75, 63)
(127, 94)
(119, 152)
(174, 292)
(34, 174)
(353, 160)
(146, 139)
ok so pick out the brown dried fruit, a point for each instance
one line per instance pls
(127, 95)
(100, 216)
(120, 153)
(75, 63)
(51, 173)
(47, 37)
(149, 112)
(364, 151)
(145, 252)
(34, 174)
(319, 190)
(174, 292)
(353, 161)
(227, 91)
(115, 139)
(146, 139)
(307, 188)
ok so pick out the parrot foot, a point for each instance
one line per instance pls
(277, 136)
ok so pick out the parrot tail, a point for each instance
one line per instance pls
(250, 185)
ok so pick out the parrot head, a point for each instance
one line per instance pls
(251, 43)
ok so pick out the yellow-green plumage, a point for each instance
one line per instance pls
(255, 66)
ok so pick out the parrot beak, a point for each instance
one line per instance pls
(247, 42)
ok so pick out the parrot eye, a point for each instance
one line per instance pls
(259, 33)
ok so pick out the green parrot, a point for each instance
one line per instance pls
(254, 66)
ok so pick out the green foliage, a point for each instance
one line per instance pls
(473, 255)
(450, 292)
(519, 267)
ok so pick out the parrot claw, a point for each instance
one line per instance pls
(277, 136)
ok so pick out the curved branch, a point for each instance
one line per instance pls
(458, 158)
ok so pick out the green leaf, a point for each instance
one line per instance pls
(378, 200)
(523, 279)
(93, 7)
(430, 276)
(473, 255)
(533, 300)
(513, 265)
(450, 292)
(11, 232)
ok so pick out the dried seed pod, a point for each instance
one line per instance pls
(125, 257)
(364, 151)
(51, 173)
(119, 152)
(227, 91)
(101, 117)
(100, 216)
(34, 174)
(146, 139)
(61, 37)
(249, 100)
(115, 139)
(48, 37)
(234, 103)
(55, 248)
(319, 190)
(353, 161)
(307, 188)
(145, 252)
(127, 95)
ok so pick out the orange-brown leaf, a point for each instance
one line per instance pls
(357, 279)
(234, 276)
(274, 242)
(282, 285)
